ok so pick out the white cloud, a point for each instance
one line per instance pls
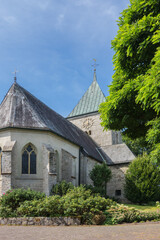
(87, 3)
(9, 19)
(60, 20)
(43, 5)
(111, 11)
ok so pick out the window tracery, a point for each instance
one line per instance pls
(29, 160)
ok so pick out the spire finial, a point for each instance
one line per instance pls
(95, 64)
(15, 75)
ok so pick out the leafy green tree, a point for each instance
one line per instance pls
(142, 180)
(137, 146)
(133, 104)
(100, 175)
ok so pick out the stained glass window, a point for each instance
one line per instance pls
(32, 163)
(29, 160)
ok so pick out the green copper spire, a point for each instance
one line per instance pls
(90, 101)
(94, 76)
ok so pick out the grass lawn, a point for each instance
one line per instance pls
(145, 208)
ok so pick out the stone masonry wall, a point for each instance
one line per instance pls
(6, 183)
(49, 168)
(6, 171)
(117, 181)
(92, 123)
(90, 164)
(43, 221)
(83, 169)
(68, 167)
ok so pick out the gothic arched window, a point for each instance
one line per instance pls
(29, 160)
(0, 160)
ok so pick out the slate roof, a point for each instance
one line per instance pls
(90, 101)
(20, 109)
(119, 153)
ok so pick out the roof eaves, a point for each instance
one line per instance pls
(49, 130)
(81, 114)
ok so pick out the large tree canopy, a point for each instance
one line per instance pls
(133, 104)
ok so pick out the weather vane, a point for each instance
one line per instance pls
(15, 75)
(95, 64)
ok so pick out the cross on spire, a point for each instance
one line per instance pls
(95, 64)
(15, 75)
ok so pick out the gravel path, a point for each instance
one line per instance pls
(120, 232)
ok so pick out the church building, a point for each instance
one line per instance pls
(85, 116)
(39, 148)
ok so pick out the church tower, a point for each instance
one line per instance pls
(85, 115)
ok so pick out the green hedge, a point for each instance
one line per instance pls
(12, 199)
(77, 202)
(80, 202)
(48, 207)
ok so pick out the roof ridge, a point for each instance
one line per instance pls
(2, 102)
(11, 104)
(42, 103)
(33, 109)
(28, 112)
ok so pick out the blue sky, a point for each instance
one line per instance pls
(52, 44)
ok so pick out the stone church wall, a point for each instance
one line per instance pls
(48, 175)
(38, 139)
(83, 169)
(68, 167)
(86, 165)
(115, 187)
(90, 164)
(6, 162)
(50, 170)
(6, 171)
(5, 181)
(91, 124)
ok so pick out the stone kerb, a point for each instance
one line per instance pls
(43, 221)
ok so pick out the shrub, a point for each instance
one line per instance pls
(157, 204)
(119, 213)
(61, 188)
(94, 190)
(98, 219)
(77, 202)
(142, 181)
(80, 202)
(47, 207)
(12, 199)
(100, 175)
